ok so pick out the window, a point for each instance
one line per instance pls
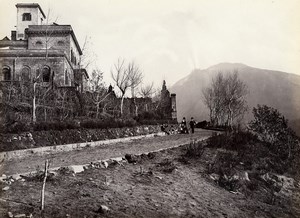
(38, 43)
(60, 43)
(66, 78)
(26, 17)
(72, 56)
(25, 75)
(6, 74)
(46, 74)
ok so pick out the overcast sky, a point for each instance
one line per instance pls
(169, 38)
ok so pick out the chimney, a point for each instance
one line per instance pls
(13, 35)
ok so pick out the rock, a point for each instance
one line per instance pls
(103, 209)
(5, 188)
(118, 159)
(16, 177)
(3, 177)
(76, 168)
(159, 177)
(243, 176)
(29, 135)
(10, 214)
(53, 173)
(105, 164)
(20, 215)
(131, 158)
(214, 176)
(151, 155)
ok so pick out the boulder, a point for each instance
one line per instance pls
(5, 188)
(10, 214)
(102, 209)
(76, 168)
(16, 177)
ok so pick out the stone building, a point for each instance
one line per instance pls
(48, 53)
(168, 103)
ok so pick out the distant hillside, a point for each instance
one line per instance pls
(276, 89)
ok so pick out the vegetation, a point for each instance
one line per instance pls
(271, 127)
(225, 99)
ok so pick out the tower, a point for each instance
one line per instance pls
(28, 14)
(173, 104)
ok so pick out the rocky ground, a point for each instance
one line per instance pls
(102, 152)
(169, 183)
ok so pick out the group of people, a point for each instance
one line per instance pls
(184, 127)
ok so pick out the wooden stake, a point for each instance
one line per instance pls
(43, 188)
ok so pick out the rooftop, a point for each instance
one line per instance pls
(31, 5)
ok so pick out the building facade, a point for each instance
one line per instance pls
(47, 53)
(168, 103)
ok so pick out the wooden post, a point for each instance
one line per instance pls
(43, 188)
(33, 103)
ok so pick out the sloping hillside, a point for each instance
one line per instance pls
(273, 88)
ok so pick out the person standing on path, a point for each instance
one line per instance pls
(192, 124)
(184, 126)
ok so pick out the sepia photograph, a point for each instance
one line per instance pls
(150, 108)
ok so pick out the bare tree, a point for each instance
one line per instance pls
(135, 79)
(235, 92)
(125, 78)
(147, 91)
(47, 37)
(88, 57)
(98, 92)
(225, 99)
(120, 76)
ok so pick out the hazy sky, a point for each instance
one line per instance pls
(169, 38)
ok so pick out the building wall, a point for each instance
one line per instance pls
(75, 52)
(54, 42)
(173, 105)
(36, 17)
(58, 65)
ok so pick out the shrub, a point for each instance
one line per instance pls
(18, 127)
(55, 125)
(272, 128)
(194, 149)
(231, 140)
(108, 123)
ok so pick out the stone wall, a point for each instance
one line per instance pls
(9, 142)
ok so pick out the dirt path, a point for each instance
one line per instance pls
(88, 155)
(160, 185)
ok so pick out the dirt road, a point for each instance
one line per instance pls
(87, 155)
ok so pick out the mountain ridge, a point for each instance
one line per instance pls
(277, 89)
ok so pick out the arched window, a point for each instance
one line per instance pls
(66, 78)
(25, 74)
(60, 43)
(38, 43)
(6, 73)
(46, 74)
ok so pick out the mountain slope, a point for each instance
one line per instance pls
(273, 88)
